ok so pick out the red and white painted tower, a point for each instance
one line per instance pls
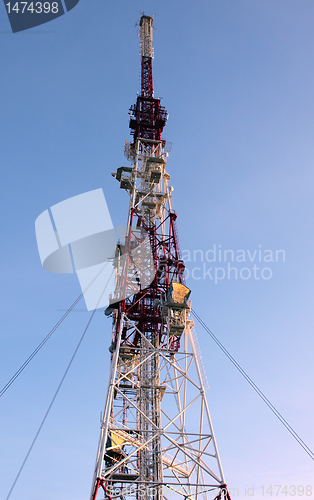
(156, 437)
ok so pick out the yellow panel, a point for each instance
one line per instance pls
(117, 441)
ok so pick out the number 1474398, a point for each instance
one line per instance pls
(292, 490)
(33, 7)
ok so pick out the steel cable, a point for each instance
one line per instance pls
(29, 359)
(256, 389)
(55, 394)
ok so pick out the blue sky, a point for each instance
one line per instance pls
(236, 77)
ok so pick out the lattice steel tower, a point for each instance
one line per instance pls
(156, 438)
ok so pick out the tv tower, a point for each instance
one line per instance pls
(156, 439)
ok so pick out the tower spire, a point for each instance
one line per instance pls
(147, 116)
(147, 55)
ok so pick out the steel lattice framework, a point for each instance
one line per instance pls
(156, 438)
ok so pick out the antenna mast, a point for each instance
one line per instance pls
(156, 434)
(147, 55)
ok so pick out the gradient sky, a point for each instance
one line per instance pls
(237, 78)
